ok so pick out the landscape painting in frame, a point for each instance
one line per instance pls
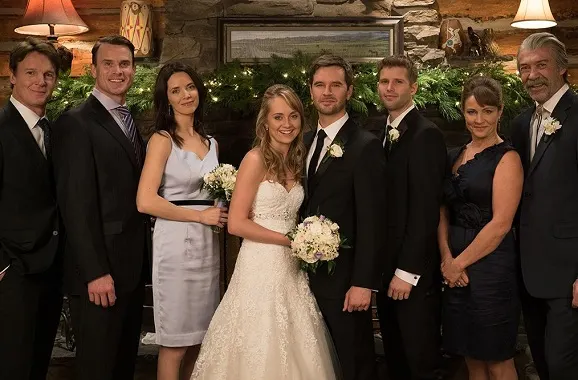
(357, 40)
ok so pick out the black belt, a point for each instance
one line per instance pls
(194, 202)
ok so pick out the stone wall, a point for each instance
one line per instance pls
(191, 26)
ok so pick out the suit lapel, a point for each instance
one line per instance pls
(526, 137)
(103, 117)
(24, 135)
(342, 137)
(559, 114)
(403, 128)
(308, 141)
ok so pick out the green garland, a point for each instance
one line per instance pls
(239, 88)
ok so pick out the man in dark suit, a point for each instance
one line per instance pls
(98, 157)
(409, 308)
(349, 190)
(30, 231)
(546, 137)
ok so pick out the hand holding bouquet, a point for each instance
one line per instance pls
(314, 241)
(219, 183)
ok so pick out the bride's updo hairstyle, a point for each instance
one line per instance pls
(275, 164)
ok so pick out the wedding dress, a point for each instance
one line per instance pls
(268, 325)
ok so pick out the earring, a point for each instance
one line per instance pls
(170, 110)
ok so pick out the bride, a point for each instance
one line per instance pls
(268, 325)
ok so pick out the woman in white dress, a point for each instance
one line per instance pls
(185, 250)
(268, 325)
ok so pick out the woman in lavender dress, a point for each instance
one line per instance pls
(185, 250)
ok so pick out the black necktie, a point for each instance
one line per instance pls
(387, 144)
(132, 133)
(44, 124)
(315, 158)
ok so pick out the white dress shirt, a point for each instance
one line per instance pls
(547, 109)
(331, 130)
(408, 277)
(31, 119)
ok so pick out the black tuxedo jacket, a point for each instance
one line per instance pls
(548, 211)
(350, 191)
(29, 223)
(97, 177)
(415, 169)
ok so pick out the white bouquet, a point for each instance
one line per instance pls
(314, 241)
(220, 182)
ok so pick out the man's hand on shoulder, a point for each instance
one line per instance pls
(101, 291)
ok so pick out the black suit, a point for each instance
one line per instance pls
(97, 177)
(350, 191)
(414, 175)
(30, 235)
(548, 239)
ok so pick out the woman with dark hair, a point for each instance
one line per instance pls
(185, 250)
(481, 307)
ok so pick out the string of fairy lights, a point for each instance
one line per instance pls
(238, 88)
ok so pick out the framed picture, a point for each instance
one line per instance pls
(255, 40)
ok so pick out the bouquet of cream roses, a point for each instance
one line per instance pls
(314, 241)
(220, 182)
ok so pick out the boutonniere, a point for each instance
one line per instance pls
(335, 150)
(393, 135)
(551, 125)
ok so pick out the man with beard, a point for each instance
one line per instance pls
(409, 309)
(98, 157)
(30, 228)
(349, 189)
(546, 137)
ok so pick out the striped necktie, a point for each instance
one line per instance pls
(132, 133)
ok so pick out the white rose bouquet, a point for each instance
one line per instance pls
(220, 182)
(314, 241)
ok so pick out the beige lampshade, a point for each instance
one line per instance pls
(534, 14)
(51, 18)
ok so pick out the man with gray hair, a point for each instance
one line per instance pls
(546, 137)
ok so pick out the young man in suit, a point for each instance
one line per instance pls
(98, 158)
(546, 137)
(349, 190)
(415, 152)
(30, 230)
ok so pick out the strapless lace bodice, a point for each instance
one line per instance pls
(276, 208)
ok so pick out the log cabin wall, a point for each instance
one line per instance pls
(498, 14)
(101, 16)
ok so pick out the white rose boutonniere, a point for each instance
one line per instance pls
(551, 125)
(335, 150)
(393, 135)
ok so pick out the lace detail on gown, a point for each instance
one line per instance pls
(268, 325)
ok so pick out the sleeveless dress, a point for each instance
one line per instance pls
(268, 325)
(480, 320)
(185, 256)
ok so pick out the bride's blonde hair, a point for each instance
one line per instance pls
(275, 164)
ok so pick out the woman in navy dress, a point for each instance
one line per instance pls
(481, 307)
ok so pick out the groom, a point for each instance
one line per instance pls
(348, 189)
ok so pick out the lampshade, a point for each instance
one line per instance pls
(51, 18)
(534, 14)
